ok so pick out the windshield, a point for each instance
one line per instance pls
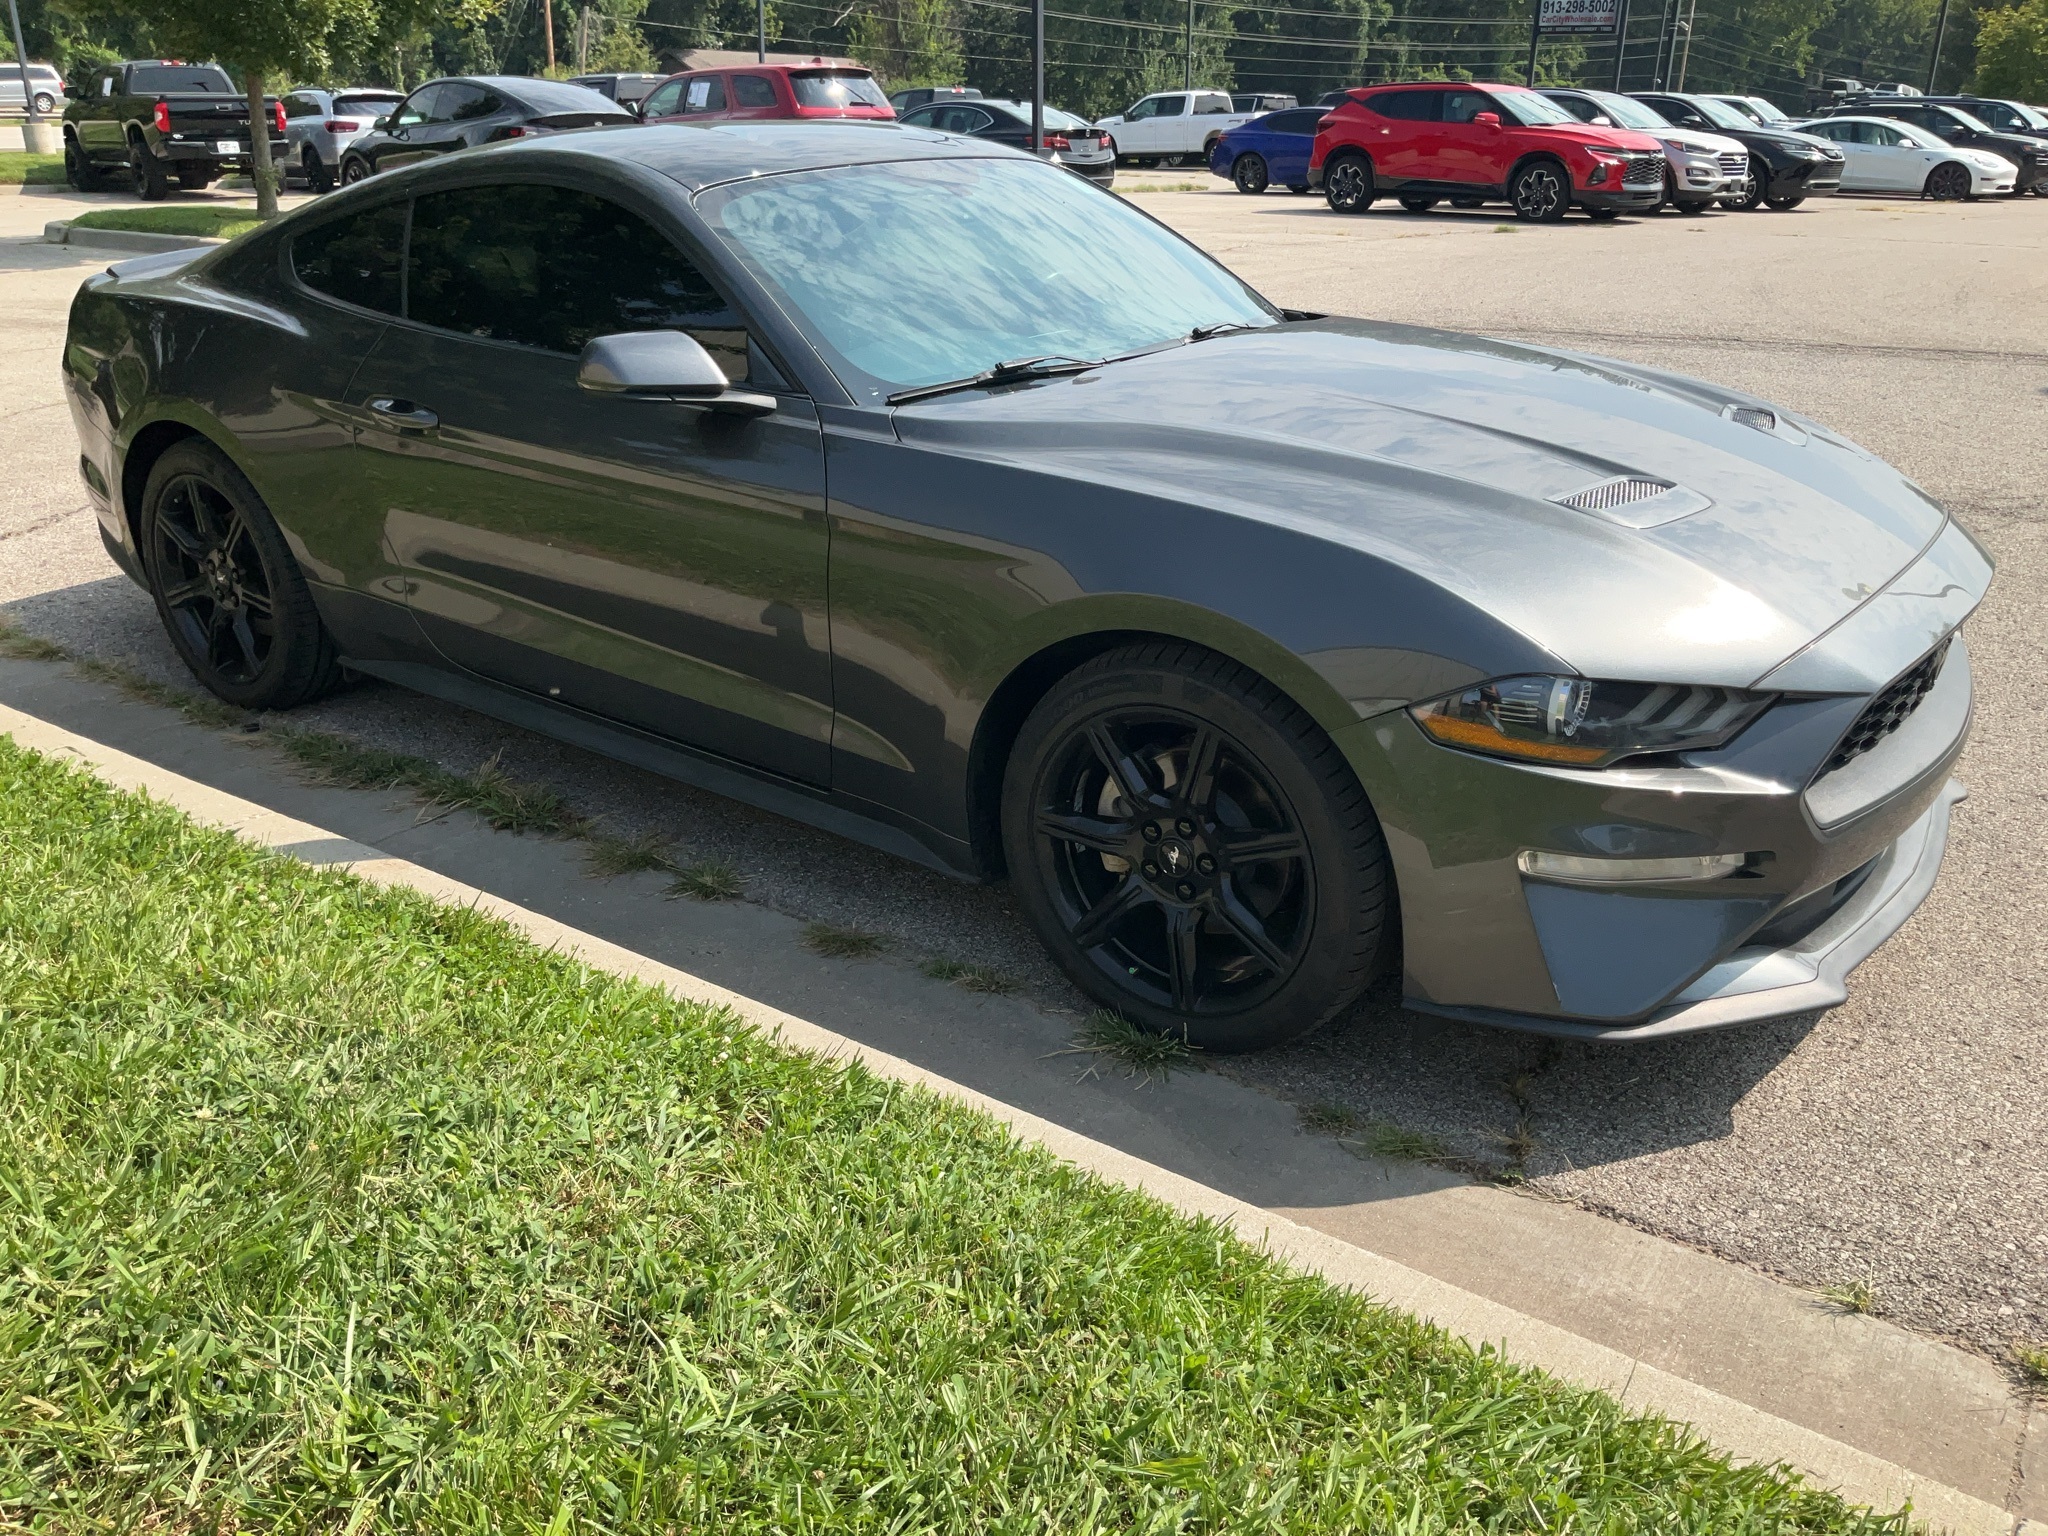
(1626, 113)
(830, 90)
(1766, 110)
(1719, 113)
(925, 271)
(156, 79)
(377, 104)
(2028, 115)
(550, 97)
(1529, 109)
(1054, 117)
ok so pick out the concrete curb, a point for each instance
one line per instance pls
(1734, 1427)
(64, 232)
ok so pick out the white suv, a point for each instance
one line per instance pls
(1700, 169)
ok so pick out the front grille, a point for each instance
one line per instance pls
(1733, 164)
(1890, 709)
(1649, 170)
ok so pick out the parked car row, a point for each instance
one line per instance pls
(1548, 151)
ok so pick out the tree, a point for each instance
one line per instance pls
(2012, 51)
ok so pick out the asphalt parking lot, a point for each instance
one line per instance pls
(1901, 1139)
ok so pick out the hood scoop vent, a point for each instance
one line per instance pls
(1636, 501)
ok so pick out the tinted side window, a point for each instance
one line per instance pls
(1172, 106)
(550, 268)
(1303, 121)
(664, 101)
(752, 91)
(355, 259)
(1585, 111)
(1406, 106)
(299, 105)
(1463, 106)
(706, 94)
(464, 103)
(420, 107)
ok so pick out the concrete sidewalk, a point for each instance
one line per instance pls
(1764, 1369)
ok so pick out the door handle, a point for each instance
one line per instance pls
(404, 415)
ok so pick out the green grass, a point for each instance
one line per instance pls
(707, 880)
(2033, 1363)
(18, 644)
(969, 977)
(326, 1208)
(1142, 1052)
(609, 856)
(210, 223)
(20, 169)
(509, 804)
(1858, 1296)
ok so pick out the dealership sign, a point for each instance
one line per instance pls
(1577, 15)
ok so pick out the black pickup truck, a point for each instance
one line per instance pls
(153, 120)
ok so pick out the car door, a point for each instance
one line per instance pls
(1468, 152)
(410, 136)
(1288, 139)
(1405, 146)
(99, 128)
(474, 114)
(704, 96)
(654, 563)
(1892, 162)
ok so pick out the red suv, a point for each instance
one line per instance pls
(745, 93)
(1478, 143)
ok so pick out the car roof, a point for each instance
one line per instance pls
(698, 155)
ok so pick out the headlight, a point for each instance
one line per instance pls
(1578, 723)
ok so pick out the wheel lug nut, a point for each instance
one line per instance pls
(1186, 891)
(1187, 828)
(1206, 864)
(1151, 831)
(1151, 871)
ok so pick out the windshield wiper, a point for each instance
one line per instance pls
(1221, 328)
(1017, 369)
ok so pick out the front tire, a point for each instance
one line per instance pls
(1785, 204)
(227, 589)
(1299, 188)
(1193, 850)
(1250, 174)
(1948, 182)
(1347, 184)
(152, 185)
(1468, 203)
(79, 172)
(1541, 192)
(354, 169)
(45, 103)
(1753, 191)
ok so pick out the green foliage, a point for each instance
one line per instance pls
(2012, 51)
(17, 170)
(209, 223)
(325, 1208)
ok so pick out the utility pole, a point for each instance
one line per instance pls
(1187, 77)
(583, 40)
(1620, 43)
(761, 31)
(1661, 63)
(1038, 77)
(1933, 59)
(28, 92)
(1535, 40)
(1685, 55)
(547, 23)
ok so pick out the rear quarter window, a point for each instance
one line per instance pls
(355, 259)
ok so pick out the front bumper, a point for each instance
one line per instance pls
(2031, 175)
(1808, 178)
(1623, 199)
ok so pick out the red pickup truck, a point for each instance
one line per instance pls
(1474, 143)
(155, 120)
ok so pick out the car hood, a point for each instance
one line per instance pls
(1445, 454)
(1593, 134)
(1692, 141)
(1784, 138)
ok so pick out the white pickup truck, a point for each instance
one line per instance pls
(1173, 127)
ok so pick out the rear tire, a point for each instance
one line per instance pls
(45, 103)
(1250, 174)
(1603, 215)
(1347, 184)
(80, 173)
(1468, 202)
(1948, 182)
(1299, 188)
(152, 184)
(1418, 204)
(195, 178)
(1269, 888)
(1785, 204)
(1541, 192)
(229, 592)
(318, 177)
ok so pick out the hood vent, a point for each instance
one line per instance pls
(1636, 501)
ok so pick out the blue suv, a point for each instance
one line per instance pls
(1269, 151)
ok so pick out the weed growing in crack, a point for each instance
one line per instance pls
(2033, 1362)
(1329, 1118)
(20, 645)
(1143, 1053)
(1858, 1296)
(707, 880)
(836, 943)
(609, 856)
(508, 804)
(971, 978)
(199, 708)
(1384, 1139)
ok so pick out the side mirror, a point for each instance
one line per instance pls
(382, 125)
(1486, 119)
(664, 365)
(1601, 122)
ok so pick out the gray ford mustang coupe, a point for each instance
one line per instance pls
(920, 490)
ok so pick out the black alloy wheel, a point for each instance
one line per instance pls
(1540, 192)
(1193, 850)
(151, 184)
(1250, 174)
(353, 170)
(1418, 204)
(1753, 190)
(79, 172)
(226, 586)
(1171, 160)
(1948, 182)
(1347, 184)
